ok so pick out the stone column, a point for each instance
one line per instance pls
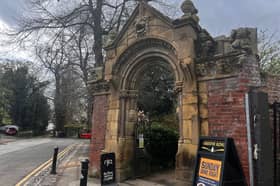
(128, 119)
(189, 132)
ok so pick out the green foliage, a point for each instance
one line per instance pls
(162, 145)
(168, 121)
(23, 102)
(156, 95)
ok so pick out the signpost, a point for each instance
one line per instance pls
(217, 163)
(108, 169)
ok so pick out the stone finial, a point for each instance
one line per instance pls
(188, 8)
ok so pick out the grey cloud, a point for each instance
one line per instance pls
(11, 10)
(217, 16)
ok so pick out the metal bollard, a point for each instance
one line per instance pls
(53, 171)
(84, 172)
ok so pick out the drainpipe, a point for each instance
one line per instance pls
(249, 142)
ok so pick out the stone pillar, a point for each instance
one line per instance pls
(189, 132)
(128, 119)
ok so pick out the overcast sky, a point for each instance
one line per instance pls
(219, 17)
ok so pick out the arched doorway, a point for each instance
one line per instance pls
(115, 119)
(161, 56)
(157, 128)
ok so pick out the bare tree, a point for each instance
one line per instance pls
(269, 52)
(54, 58)
(82, 23)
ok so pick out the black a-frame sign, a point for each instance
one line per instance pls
(217, 163)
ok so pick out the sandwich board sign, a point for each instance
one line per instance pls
(108, 169)
(217, 163)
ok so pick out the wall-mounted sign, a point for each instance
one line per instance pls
(217, 163)
(108, 168)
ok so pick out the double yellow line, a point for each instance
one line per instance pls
(44, 165)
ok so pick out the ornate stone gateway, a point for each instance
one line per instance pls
(211, 79)
(148, 38)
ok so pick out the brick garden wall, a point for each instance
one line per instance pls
(226, 107)
(271, 85)
(98, 130)
(227, 114)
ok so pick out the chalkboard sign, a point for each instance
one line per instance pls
(217, 163)
(108, 168)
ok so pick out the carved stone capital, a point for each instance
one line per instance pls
(96, 74)
(128, 94)
(100, 87)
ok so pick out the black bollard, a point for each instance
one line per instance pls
(84, 172)
(53, 171)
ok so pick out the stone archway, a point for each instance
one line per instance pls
(122, 112)
(159, 40)
(133, 83)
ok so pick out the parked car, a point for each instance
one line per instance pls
(9, 129)
(85, 134)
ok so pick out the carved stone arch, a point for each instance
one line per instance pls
(128, 68)
(124, 75)
(141, 45)
(132, 70)
(136, 56)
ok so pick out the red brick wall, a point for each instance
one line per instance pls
(98, 130)
(227, 114)
(272, 87)
(226, 107)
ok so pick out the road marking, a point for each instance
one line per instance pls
(44, 165)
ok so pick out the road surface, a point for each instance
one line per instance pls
(20, 157)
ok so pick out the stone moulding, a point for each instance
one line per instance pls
(219, 65)
(100, 87)
(140, 46)
(128, 94)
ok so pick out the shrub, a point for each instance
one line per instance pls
(162, 145)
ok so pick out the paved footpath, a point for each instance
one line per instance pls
(69, 171)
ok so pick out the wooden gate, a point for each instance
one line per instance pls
(261, 139)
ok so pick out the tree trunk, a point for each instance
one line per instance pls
(97, 31)
(58, 105)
